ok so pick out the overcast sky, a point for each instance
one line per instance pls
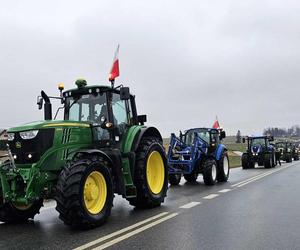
(186, 61)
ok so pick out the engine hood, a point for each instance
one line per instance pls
(47, 124)
(256, 149)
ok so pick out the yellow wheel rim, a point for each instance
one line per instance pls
(95, 192)
(155, 172)
(21, 206)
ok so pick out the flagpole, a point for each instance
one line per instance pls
(112, 83)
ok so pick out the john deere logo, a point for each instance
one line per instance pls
(18, 144)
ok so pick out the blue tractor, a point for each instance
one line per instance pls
(260, 151)
(198, 151)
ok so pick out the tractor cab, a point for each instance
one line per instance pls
(109, 111)
(208, 135)
(258, 144)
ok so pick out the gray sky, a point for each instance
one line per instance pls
(186, 61)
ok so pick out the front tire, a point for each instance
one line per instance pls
(245, 161)
(223, 168)
(84, 192)
(150, 174)
(16, 213)
(210, 172)
(174, 179)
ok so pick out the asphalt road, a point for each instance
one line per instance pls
(256, 209)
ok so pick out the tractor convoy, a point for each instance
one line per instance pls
(102, 147)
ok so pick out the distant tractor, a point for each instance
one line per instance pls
(295, 152)
(198, 151)
(285, 150)
(260, 151)
(101, 147)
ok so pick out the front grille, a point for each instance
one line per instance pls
(36, 147)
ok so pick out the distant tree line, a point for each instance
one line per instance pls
(293, 131)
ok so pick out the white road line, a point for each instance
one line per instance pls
(225, 190)
(236, 184)
(211, 196)
(191, 204)
(245, 183)
(106, 237)
(137, 231)
(254, 177)
(264, 175)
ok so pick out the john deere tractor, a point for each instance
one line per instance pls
(101, 147)
(260, 151)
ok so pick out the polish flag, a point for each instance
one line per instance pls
(216, 124)
(115, 72)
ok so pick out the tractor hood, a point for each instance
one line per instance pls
(256, 149)
(47, 124)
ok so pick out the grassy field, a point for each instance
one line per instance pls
(234, 160)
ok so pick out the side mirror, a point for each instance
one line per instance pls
(142, 119)
(124, 93)
(244, 140)
(40, 102)
(222, 135)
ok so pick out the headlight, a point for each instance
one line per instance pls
(10, 136)
(26, 135)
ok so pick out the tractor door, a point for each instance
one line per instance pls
(122, 116)
(214, 140)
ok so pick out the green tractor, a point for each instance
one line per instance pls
(101, 147)
(286, 150)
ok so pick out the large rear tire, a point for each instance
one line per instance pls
(210, 172)
(150, 174)
(84, 192)
(223, 168)
(174, 179)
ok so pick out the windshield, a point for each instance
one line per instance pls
(202, 133)
(90, 107)
(280, 145)
(258, 141)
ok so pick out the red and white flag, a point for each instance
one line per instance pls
(216, 124)
(115, 72)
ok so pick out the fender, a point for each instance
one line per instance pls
(219, 151)
(94, 151)
(114, 160)
(145, 131)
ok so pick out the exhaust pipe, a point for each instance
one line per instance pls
(47, 106)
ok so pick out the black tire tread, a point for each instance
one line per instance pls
(68, 196)
(144, 198)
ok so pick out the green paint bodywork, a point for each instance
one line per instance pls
(40, 178)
